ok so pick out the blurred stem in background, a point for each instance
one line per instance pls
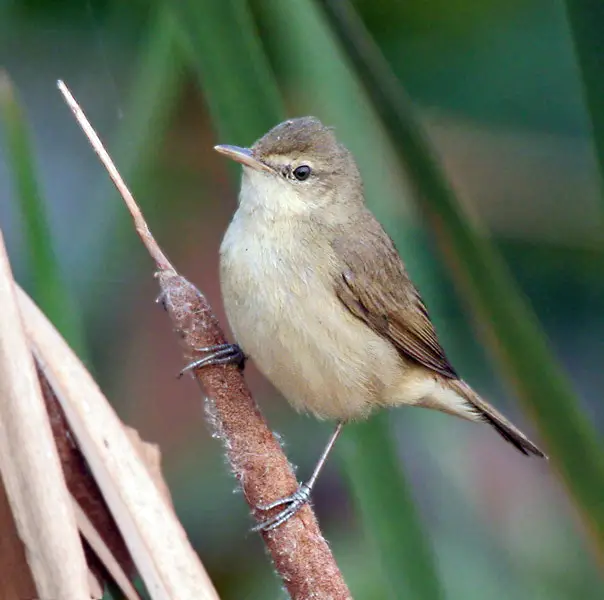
(586, 21)
(48, 287)
(387, 510)
(244, 103)
(238, 86)
(482, 277)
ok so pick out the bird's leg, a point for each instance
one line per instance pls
(221, 354)
(301, 496)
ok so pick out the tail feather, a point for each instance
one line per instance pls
(495, 419)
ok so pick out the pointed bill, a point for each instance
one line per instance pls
(243, 156)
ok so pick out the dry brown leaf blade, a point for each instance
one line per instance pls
(151, 456)
(96, 589)
(12, 557)
(30, 465)
(156, 540)
(107, 555)
(82, 486)
(103, 552)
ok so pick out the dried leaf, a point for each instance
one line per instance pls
(156, 540)
(31, 470)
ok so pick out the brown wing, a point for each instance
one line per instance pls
(375, 287)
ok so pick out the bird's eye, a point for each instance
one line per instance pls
(302, 172)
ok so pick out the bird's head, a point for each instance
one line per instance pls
(295, 168)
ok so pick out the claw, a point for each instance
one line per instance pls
(161, 299)
(293, 504)
(221, 354)
(301, 496)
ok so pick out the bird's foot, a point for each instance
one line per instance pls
(292, 505)
(221, 354)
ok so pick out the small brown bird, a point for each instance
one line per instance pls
(317, 295)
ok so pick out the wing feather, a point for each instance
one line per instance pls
(375, 288)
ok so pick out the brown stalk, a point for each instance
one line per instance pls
(299, 551)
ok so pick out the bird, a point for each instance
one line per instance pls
(318, 297)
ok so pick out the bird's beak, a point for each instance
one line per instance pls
(243, 156)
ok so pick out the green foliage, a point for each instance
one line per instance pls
(48, 286)
(390, 518)
(234, 75)
(586, 20)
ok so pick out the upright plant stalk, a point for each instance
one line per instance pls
(388, 511)
(482, 277)
(223, 48)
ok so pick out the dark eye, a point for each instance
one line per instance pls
(302, 172)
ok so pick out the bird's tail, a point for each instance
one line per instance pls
(495, 419)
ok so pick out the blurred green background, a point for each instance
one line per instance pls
(497, 88)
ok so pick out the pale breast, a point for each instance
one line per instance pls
(286, 317)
